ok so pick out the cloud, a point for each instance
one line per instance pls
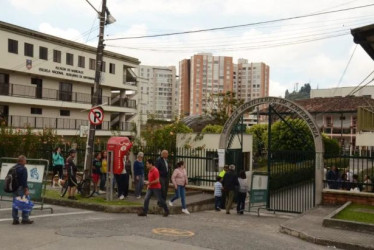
(70, 34)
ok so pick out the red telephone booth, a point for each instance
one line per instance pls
(117, 148)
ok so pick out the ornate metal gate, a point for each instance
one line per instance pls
(293, 153)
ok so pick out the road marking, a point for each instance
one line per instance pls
(52, 215)
(9, 208)
(173, 232)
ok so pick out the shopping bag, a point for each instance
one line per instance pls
(23, 203)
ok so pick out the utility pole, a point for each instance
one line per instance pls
(95, 98)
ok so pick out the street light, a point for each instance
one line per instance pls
(95, 100)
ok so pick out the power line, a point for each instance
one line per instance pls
(240, 25)
(345, 70)
(357, 88)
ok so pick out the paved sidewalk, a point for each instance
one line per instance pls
(308, 226)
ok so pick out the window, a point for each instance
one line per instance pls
(65, 91)
(328, 121)
(112, 68)
(103, 66)
(69, 59)
(57, 56)
(12, 46)
(81, 61)
(29, 49)
(43, 53)
(36, 111)
(64, 112)
(92, 64)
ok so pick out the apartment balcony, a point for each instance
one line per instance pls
(60, 123)
(17, 90)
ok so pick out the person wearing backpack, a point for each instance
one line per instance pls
(22, 190)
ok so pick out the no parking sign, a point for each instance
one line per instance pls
(96, 116)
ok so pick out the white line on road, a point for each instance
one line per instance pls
(10, 208)
(52, 215)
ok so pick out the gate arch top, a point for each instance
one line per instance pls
(305, 115)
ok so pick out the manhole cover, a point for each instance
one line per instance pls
(173, 232)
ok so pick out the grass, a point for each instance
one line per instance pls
(53, 194)
(357, 213)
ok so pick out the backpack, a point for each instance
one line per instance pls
(11, 181)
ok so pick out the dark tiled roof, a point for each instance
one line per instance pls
(335, 104)
(365, 37)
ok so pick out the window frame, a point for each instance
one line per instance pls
(43, 53)
(12, 46)
(70, 59)
(56, 56)
(81, 61)
(36, 111)
(28, 47)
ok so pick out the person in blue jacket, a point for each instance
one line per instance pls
(22, 190)
(139, 175)
(58, 164)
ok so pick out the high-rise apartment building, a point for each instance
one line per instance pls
(251, 80)
(157, 91)
(200, 77)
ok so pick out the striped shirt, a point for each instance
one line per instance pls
(218, 189)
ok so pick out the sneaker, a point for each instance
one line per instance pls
(142, 214)
(102, 192)
(138, 197)
(27, 221)
(122, 197)
(185, 211)
(218, 209)
(59, 183)
(15, 222)
(166, 214)
(170, 203)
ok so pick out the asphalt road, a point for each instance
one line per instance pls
(70, 228)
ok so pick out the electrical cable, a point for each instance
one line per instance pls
(354, 90)
(240, 25)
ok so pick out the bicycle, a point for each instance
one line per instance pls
(84, 184)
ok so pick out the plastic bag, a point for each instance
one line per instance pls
(23, 203)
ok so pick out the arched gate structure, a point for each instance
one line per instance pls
(287, 192)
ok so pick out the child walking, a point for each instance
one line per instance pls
(218, 193)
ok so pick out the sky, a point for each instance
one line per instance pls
(318, 49)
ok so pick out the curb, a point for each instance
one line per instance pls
(324, 242)
(202, 205)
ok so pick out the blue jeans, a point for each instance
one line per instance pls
(139, 185)
(180, 192)
(102, 181)
(157, 193)
(217, 202)
(25, 215)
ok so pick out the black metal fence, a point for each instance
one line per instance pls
(201, 164)
(354, 173)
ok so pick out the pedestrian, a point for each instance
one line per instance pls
(71, 169)
(121, 181)
(229, 183)
(180, 180)
(163, 168)
(153, 188)
(332, 178)
(218, 193)
(242, 194)
(128, 174)
(58, 164)
(103, 170)
(96, 171)
(222, 174)
(367, 187)
(23, 190)
(139, 175)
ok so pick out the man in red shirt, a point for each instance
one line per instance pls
(153, 188)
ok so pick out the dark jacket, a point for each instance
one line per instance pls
(230, 181)
(21, 175)
(128, 167)
(160, 165)
(138, 168)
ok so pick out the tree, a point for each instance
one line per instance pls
(221, 105)
(258, 132)
(303, 93)
(213, 129)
